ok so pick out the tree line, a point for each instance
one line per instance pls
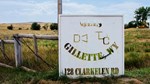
(36, 26)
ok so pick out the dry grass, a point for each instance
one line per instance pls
(24, 26)
(7, 34)
(48, 49)
(25, 29)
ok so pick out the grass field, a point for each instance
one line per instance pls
(48, 49)
(137, 58)
(137, 48)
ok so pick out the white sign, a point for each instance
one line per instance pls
(91, 45)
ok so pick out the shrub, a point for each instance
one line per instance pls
(54, 26)
(132, 24)
(10, 27)
(19, 28)
(126, 26)
(35, 26)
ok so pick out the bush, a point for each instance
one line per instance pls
(126, 26)
(35, 26)
(10, 27)
(132, 24)
(19, 28)
(54, 26)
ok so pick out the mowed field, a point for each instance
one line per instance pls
(137, 60)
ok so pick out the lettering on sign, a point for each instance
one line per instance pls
(91, 24)
(89, 56)
(91, 71)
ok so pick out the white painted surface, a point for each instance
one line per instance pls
(149, 22)
(70, 27)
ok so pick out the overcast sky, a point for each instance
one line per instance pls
(14, 11)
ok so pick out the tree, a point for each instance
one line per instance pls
(54, 26)
(10, 27)
(35, 26)
(141, 15)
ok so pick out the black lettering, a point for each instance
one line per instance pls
(104, 41)
(71, 49)
(78, 71)
(67, 46)
(100, 24)
(110, 50)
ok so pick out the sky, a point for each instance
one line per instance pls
(16, 11)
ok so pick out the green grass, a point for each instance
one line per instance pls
(19, 76)
(137, 48)
(142, 74)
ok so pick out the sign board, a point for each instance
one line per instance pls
(91, 45)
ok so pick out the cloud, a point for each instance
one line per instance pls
(30, 10)
(41, 10)
(122, 7)
(125, 8)
(77, 8)
(33, 8)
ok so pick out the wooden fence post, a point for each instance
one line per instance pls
(3, 48)
(18, 54)
(35, 47)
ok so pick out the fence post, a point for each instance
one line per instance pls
(35, 47)
(18, 55)
(3, 48)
